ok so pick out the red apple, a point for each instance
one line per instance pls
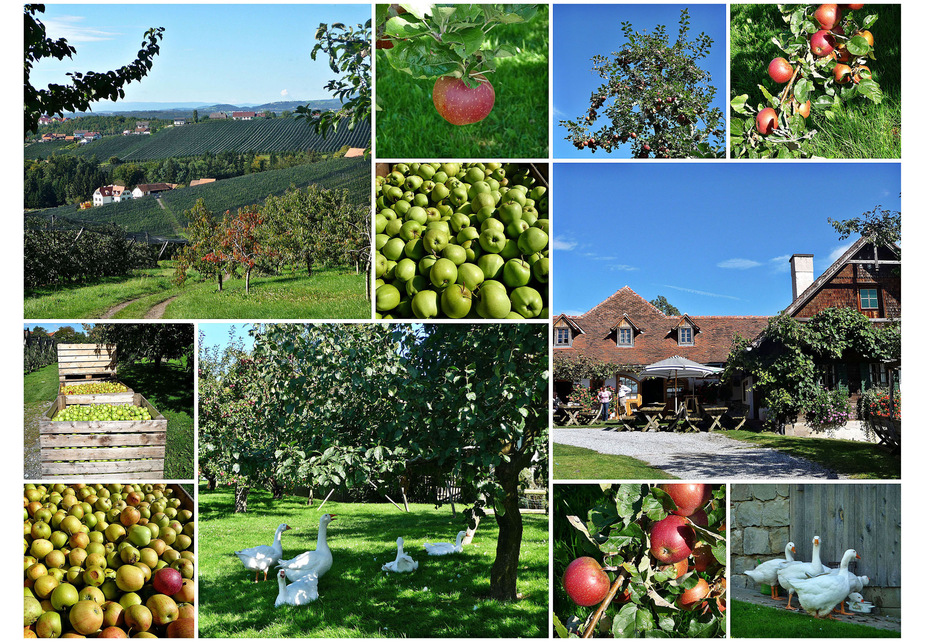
(703, 557)
(857, 77)
(780, 70)
(461, 105)
(700, 518)
(694, 595)
(822, 43)
(766, 120)
(688, 497)
(585, 581)
(853, 7)
(672, 539)
(828, 15)
(842, 73)
(167, 581)
(868, 36)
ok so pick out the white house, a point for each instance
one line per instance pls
(178, 122)
(111, 194)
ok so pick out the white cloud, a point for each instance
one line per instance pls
(738, 264)
(559, 243)
(702, 293)
(780, 263)
(284, 93)
(837, 251)
(622, 268)
(70, 27)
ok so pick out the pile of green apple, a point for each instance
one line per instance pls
(103, 387)
(107, 560)
(466, 240)
(103, 412)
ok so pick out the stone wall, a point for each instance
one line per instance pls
(759, 527)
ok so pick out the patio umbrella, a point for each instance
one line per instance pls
(678, 367)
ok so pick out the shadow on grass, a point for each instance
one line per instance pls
(169, 387)
(755, 621)
(444, 597)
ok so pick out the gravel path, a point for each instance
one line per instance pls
(693, 456)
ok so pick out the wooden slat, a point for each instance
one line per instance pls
(78, 454)
(85, 358)
(93, 468)
(115, 398)
(101, 477)
(118, 427)
(80, 368)
(103, 440)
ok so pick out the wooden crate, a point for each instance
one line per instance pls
(91, 448)
(89, 363)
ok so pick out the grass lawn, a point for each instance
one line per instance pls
(444, 597)
(169, 389)
(408, 126)
(856, 459)
(863, 130)
(327, 294)
(572, 462)
(755, 621)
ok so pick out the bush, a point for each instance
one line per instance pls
(829, 409)
(876, 403)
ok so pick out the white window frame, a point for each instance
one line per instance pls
(629, 333)
(682, 330)
(568, 337)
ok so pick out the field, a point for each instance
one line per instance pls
(444, 597)
(327, 294)
(164, 216)
(862, 130)
(169, 389)
(262, 135)
(755, 621)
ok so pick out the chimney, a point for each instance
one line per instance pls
(801, 273)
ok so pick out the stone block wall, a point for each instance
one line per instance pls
(759, 527)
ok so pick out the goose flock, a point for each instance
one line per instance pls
(819, 588)
(298, 577)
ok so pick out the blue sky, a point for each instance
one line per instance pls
(217, 334)
(210, 53)
(581, 31)
(53, 327)
(713, 238)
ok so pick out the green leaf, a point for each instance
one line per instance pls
(802, 90)
(737, 127)
(561, 631)
(626, 498)
(869, 88)
(858, 46)
(470, 40)
(624, 622)
(622, 539)
(645, 621)
(824, 101)
(767, 95)
(869, 20)
(421, 60)
(738, 104)
(418, 9)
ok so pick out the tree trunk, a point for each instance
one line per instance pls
(247, 281)
(277, 489)
(240, 498)
(210, 477)
(219, 275)
(510, 533)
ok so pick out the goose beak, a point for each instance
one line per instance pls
(332, 516)
(857, 555)
(288, 528)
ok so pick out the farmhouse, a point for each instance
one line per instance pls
(627, 333)
(111, 194)
(179, 122)
(144, 189)
(243, 115)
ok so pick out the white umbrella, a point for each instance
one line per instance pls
(678, 367)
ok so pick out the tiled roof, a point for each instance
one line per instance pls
(658, 339)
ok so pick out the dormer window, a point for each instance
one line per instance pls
(869, 299)
(685, 336)
(625, 337)
(563, 336)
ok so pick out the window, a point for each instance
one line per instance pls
(625, 337)
(829, 377)
(869, 299)
(878, 376)
(685, 336)
(563, 337)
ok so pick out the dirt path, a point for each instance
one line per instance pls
(113, 311)
(695, 456)
(157, 311)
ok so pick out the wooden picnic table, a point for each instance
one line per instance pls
(652, 415)
(713, 415)
(572, 412)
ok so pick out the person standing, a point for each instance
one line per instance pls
(604, 396)
(622, 394)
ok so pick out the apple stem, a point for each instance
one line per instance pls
(614, 589)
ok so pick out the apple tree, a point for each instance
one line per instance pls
(154, 341)
(655, 98)
(826, 53)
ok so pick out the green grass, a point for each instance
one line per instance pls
(572, 462)
(41, 386)
(170, 390)
(858, 460)
(863, 130)
(755, 621)
(330, 293)
(444, 597)
(39, 389)
(408, 126)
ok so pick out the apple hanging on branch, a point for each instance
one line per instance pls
(656, 98)
(826, 51)
(449, 44)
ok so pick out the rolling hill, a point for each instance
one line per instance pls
(260, 136)
(164, 216)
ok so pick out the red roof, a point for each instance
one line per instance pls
(655, 333)
(243, 114)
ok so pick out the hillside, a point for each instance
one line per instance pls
(260, 136)
(148, 215)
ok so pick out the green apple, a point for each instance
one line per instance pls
(416, 214)
(541, 270)
(381, 262)
(492, 301)
(458, 221)
(467, 234)
(473, 250)
(516, 272)
(393, 227)
(532, 240)
(491, 265)
(455, 253)
(515, 229)
(492, 241)
(456, 301)
(387, 297)
(470, 275)
(426, 171)
(526, 302)
(389, 273)
(450, 169)
(417, 284)
(484, 214)
(543, 224)
(439, 192)
(388, 213)
(510, 212)
(491, 224)
(443, 273)
(381, 222)
(424, 304)
(435, 240)
(474, 174)
(433, 214)
(458, 196)
(530, 215)
(393, 249)
(425, 264)
(401, 208)
(414, 249)
(482, 200)
(405, 270)
(410, 230)
(510, 250)
(421, 199)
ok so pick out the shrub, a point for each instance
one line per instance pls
(829, 409)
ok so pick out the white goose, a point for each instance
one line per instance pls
(403, 562)
(297, 593)
(445, 548)
(801, 571)
(819, 595)
(261, 558)
(766, 572)
(316, 562)
(857, 585)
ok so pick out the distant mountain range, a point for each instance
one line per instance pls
(185, 109)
